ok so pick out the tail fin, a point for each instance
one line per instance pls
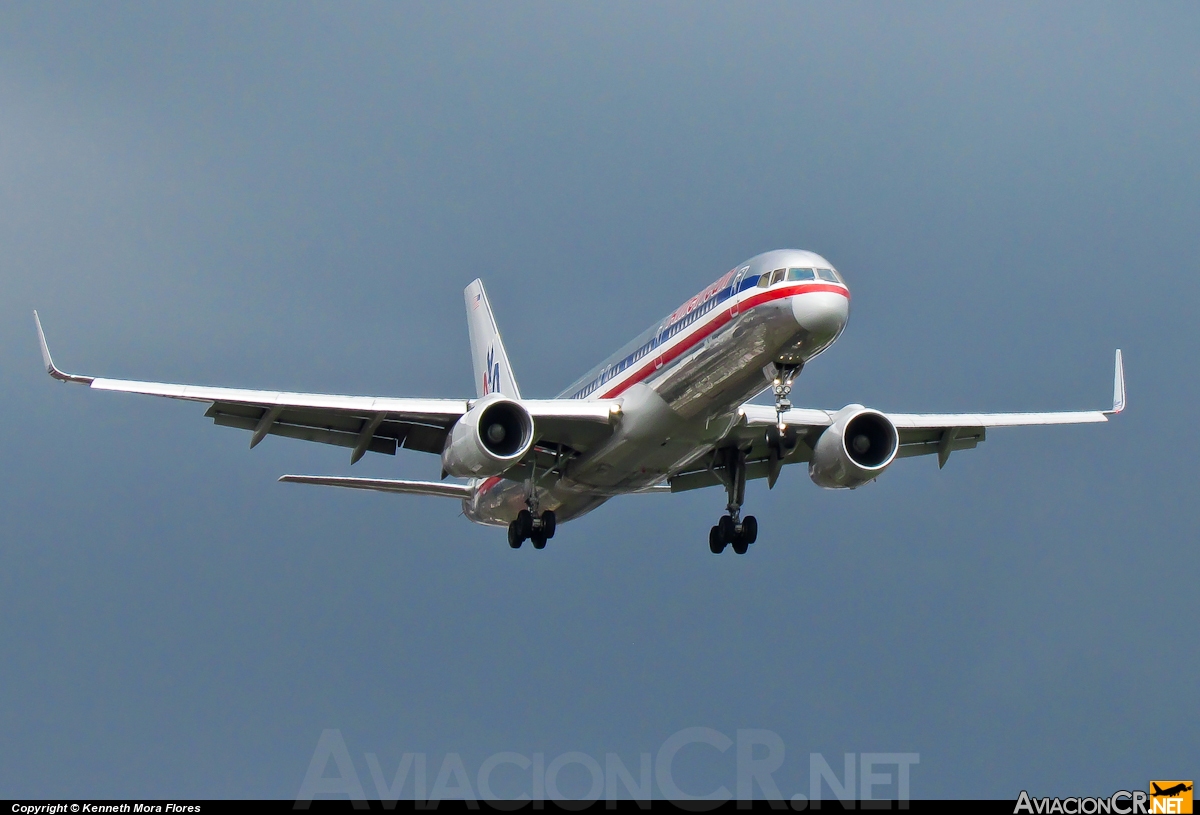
(493, 374)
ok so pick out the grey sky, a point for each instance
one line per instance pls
(294, 196)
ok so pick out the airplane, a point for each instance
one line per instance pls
(669, 412)
(1170, 791)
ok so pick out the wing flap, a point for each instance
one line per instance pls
(425, 438)
(964, 439)
(912, 443)
(329, 427)
(378, 444)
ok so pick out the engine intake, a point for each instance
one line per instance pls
(855, 449)
(492, 436)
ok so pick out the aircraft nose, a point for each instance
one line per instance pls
(823, 314)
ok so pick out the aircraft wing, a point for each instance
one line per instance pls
(920, 433)
(362, 423)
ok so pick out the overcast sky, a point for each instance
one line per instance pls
(293, 196)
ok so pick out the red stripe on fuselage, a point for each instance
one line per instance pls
(720, 319)
(487, 485)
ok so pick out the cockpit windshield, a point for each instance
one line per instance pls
(800, 275)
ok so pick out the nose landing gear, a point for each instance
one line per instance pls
(730, 466)
(785, 375)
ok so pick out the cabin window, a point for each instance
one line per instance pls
(801, 274)
(827, 274)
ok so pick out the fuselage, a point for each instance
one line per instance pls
(682, 381)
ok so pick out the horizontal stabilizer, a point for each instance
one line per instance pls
(441, 490)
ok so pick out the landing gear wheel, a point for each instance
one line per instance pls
(727, 529)
(715, 544)
(740, 546)
(524, 523)
(549, 522)
(538, 540)
(749, 529)
(515, 539)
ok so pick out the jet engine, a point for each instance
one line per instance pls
(856, 448)
(492, 436)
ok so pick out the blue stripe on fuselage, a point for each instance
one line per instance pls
(619, 362)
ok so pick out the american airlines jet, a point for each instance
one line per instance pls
(668, 412)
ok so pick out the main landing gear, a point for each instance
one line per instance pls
(728, 531)
(730, 466)
(531, 525)
(535, 528)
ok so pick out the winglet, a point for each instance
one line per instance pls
(1118, 387)
(49, 362)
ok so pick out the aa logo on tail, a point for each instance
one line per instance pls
(491, 373)
(1171, 797)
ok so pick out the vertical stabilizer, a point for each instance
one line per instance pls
(493, 374)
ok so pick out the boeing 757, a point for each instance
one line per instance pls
(668, 412)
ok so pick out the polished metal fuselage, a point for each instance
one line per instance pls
(681, 397)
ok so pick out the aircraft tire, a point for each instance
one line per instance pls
(727, 529)
(715, 544)
(740, 546)
(549, 523)
(750, 529)
(524, 523)
(514, 536)
(538, 540)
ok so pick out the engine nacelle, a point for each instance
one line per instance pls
(492, 436)
(856, 448)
